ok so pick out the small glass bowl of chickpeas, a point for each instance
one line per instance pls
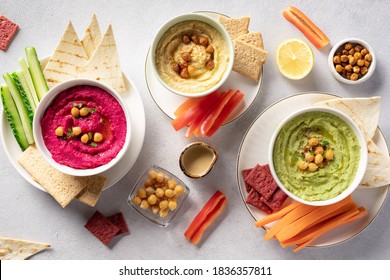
(158, 195)
(352, 61)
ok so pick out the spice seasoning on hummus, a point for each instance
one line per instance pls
(303, 142)
(84, 127)
(192, 56)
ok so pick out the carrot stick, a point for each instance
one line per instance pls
(277, 215)
(289, 218)
(297, 226)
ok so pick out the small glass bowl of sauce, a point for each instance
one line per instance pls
(197, 159)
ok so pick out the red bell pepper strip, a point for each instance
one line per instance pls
(306, 26)
(185, 118)
(203, 215)
(213, 115)
(227, 110)
(210, 219)
(190, 102)
(195, 123)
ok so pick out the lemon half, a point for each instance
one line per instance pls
(294, 59)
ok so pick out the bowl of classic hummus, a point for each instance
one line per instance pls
(192, 55)
(318, 156)
(82, 127)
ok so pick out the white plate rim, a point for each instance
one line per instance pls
(137, 136)
(260, 83)
(238, 173)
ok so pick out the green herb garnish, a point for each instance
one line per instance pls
(101, 121)
(325, 143)
(93, 144)
(90, 135)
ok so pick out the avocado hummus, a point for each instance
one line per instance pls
(292, 146)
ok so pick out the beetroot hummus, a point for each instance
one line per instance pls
(84, 127)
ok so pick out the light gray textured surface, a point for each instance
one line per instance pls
(29, 213)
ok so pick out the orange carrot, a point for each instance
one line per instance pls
(289, 218)
(306, 26)
(277, 215)
(317, 231)
(297, 226)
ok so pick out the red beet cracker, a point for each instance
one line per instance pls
(7, 32)
(102, 228)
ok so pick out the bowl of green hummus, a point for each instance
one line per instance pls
(318, 156)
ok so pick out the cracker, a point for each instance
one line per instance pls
(15, 249)
(253, 38)
(61, 186)
(102, 228)
(94, 188)
(235, 26)
(248, 60)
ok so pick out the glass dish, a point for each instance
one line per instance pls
(162, 217)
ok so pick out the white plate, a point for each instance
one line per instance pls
(254, 149)
(168, 102)
(132, 100)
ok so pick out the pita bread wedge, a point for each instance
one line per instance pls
(67, 60)
(364, 111)
(378, 168)
(104, 64)
(253, 38)
(248, 60)
(14, 249)
(92, 36)
(235, 26)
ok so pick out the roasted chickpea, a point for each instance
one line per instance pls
(159, 192)
(186, 39)
(171, 184)
(163, 212)
(160, 177)
(313, 141)
(59, 131)
(309, 157)
(169, 193)
(318, 159)
(97, 137)
(204, 41)
(344, 58)
(195, 39)
(348, 46)
(150, 191)
(348, 68)
(358, 48)
(344, 52)
(176, 67)
(178, 190)
(152, 174)
(141, 192)
(84, 139)
(319, 150)
(148, 183)
(76, 130)
(186, 56)
(75, 112)
(356, 69)
(368, 57)
(210, 64)
(354, 76)
(152, 199)
(329, 154)
(184, 73)
(312, 167)
(144, 204)
(209, 49)
(302, 165)
(364, 52)
(351, 51)
(191, 70)
(163, 204)
(360, 62)
(366, 63)
(339, 68)
(337, 59)
(137, 200)
(363, 70)
(172, 205)
(84, 111)
(352, 61)
(357, 55)
(155, 209)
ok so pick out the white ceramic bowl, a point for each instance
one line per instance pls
(338, 47)
(188, 17)
(46, 102)
(362, 162)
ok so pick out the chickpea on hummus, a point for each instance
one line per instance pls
(316, 156)
(85, 127)
(192, 56)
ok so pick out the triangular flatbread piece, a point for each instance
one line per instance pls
(14, 249)
(378, 168)
(364, 111)
(92, 36)
(104, 64)
(67, 60)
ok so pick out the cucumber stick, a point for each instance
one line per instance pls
(25, 97)
(36, 72)
(13, 117)
(29, 83)
(23, 113)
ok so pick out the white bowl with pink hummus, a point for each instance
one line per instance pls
(82, 127)
(192, 55)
